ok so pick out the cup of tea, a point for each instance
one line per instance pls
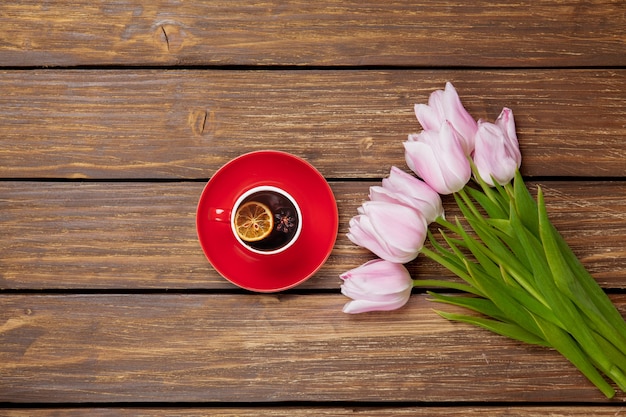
(265, 219)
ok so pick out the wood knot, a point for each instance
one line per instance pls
(170, 35)
(201, 121)
(365, 144)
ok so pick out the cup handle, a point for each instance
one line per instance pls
(217, 214)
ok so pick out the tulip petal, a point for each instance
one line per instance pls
(381, 277)
(352, 289)
(460, 119)
(496, 154)
(403, 227)
(507, 124)
(415, 193)
(438, 158)
(364, 306)
(453, 159)
(378, 193)
(376, 285)
(428, 117)
(422, 160)
(362, 233)
(393, 232)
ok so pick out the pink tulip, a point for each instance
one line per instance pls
(394, 232)
(403, 188)
(497, 152)
(377, 285)
(439, 159)
(446, 105)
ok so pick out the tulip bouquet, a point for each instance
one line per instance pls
(517, 271)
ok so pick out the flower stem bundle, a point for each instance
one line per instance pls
(521, 274)
(518, 271)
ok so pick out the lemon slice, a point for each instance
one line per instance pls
(253, 221)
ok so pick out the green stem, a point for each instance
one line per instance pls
(448, 225)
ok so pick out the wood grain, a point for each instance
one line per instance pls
(264, 348)
(107, 303)
(356, 411)
(298, 32)
(140, 235)
(349, 124)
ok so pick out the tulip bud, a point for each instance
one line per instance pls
(394, 232)
(446, 105)
(497, 153)
(439, 159)
(403, 188)
(376, 285)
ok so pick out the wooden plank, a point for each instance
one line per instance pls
(294, 411)
(331, 32)
(349, 124)
(138, 235)
(258, 348)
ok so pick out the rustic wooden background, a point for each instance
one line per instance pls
(114, 114)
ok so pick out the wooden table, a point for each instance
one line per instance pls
(114, 115)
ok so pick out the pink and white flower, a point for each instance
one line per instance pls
(445, 105)
(497, 152)
(403, 188)
(439, 159)
(393, 232)
(377, 285)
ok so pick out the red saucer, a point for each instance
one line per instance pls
(268, 273)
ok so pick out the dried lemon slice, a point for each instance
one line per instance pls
(253, 221)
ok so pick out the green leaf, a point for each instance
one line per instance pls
(453, 251)
(493, 208)
(466, 205)
(496, 291)
(497, 196)
(568, 313)
(505, 232)
(500, 253)
(528, 281)
(482, 254)
(504, 329)
(436, 283)
(525, 205)
(585, 292)
(498, 250)
(504, 195)
(535, 255)
(478, 304)
(593, 291)
(617, 357)
(534, 305)
(451, 263)
(566, 346)
(573, 289)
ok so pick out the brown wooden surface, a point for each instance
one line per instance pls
(114, 114)
(143, 235)
(284, 347)
(186, 124)
(289, 411)
(330, 32)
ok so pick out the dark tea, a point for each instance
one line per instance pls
(267, 220)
